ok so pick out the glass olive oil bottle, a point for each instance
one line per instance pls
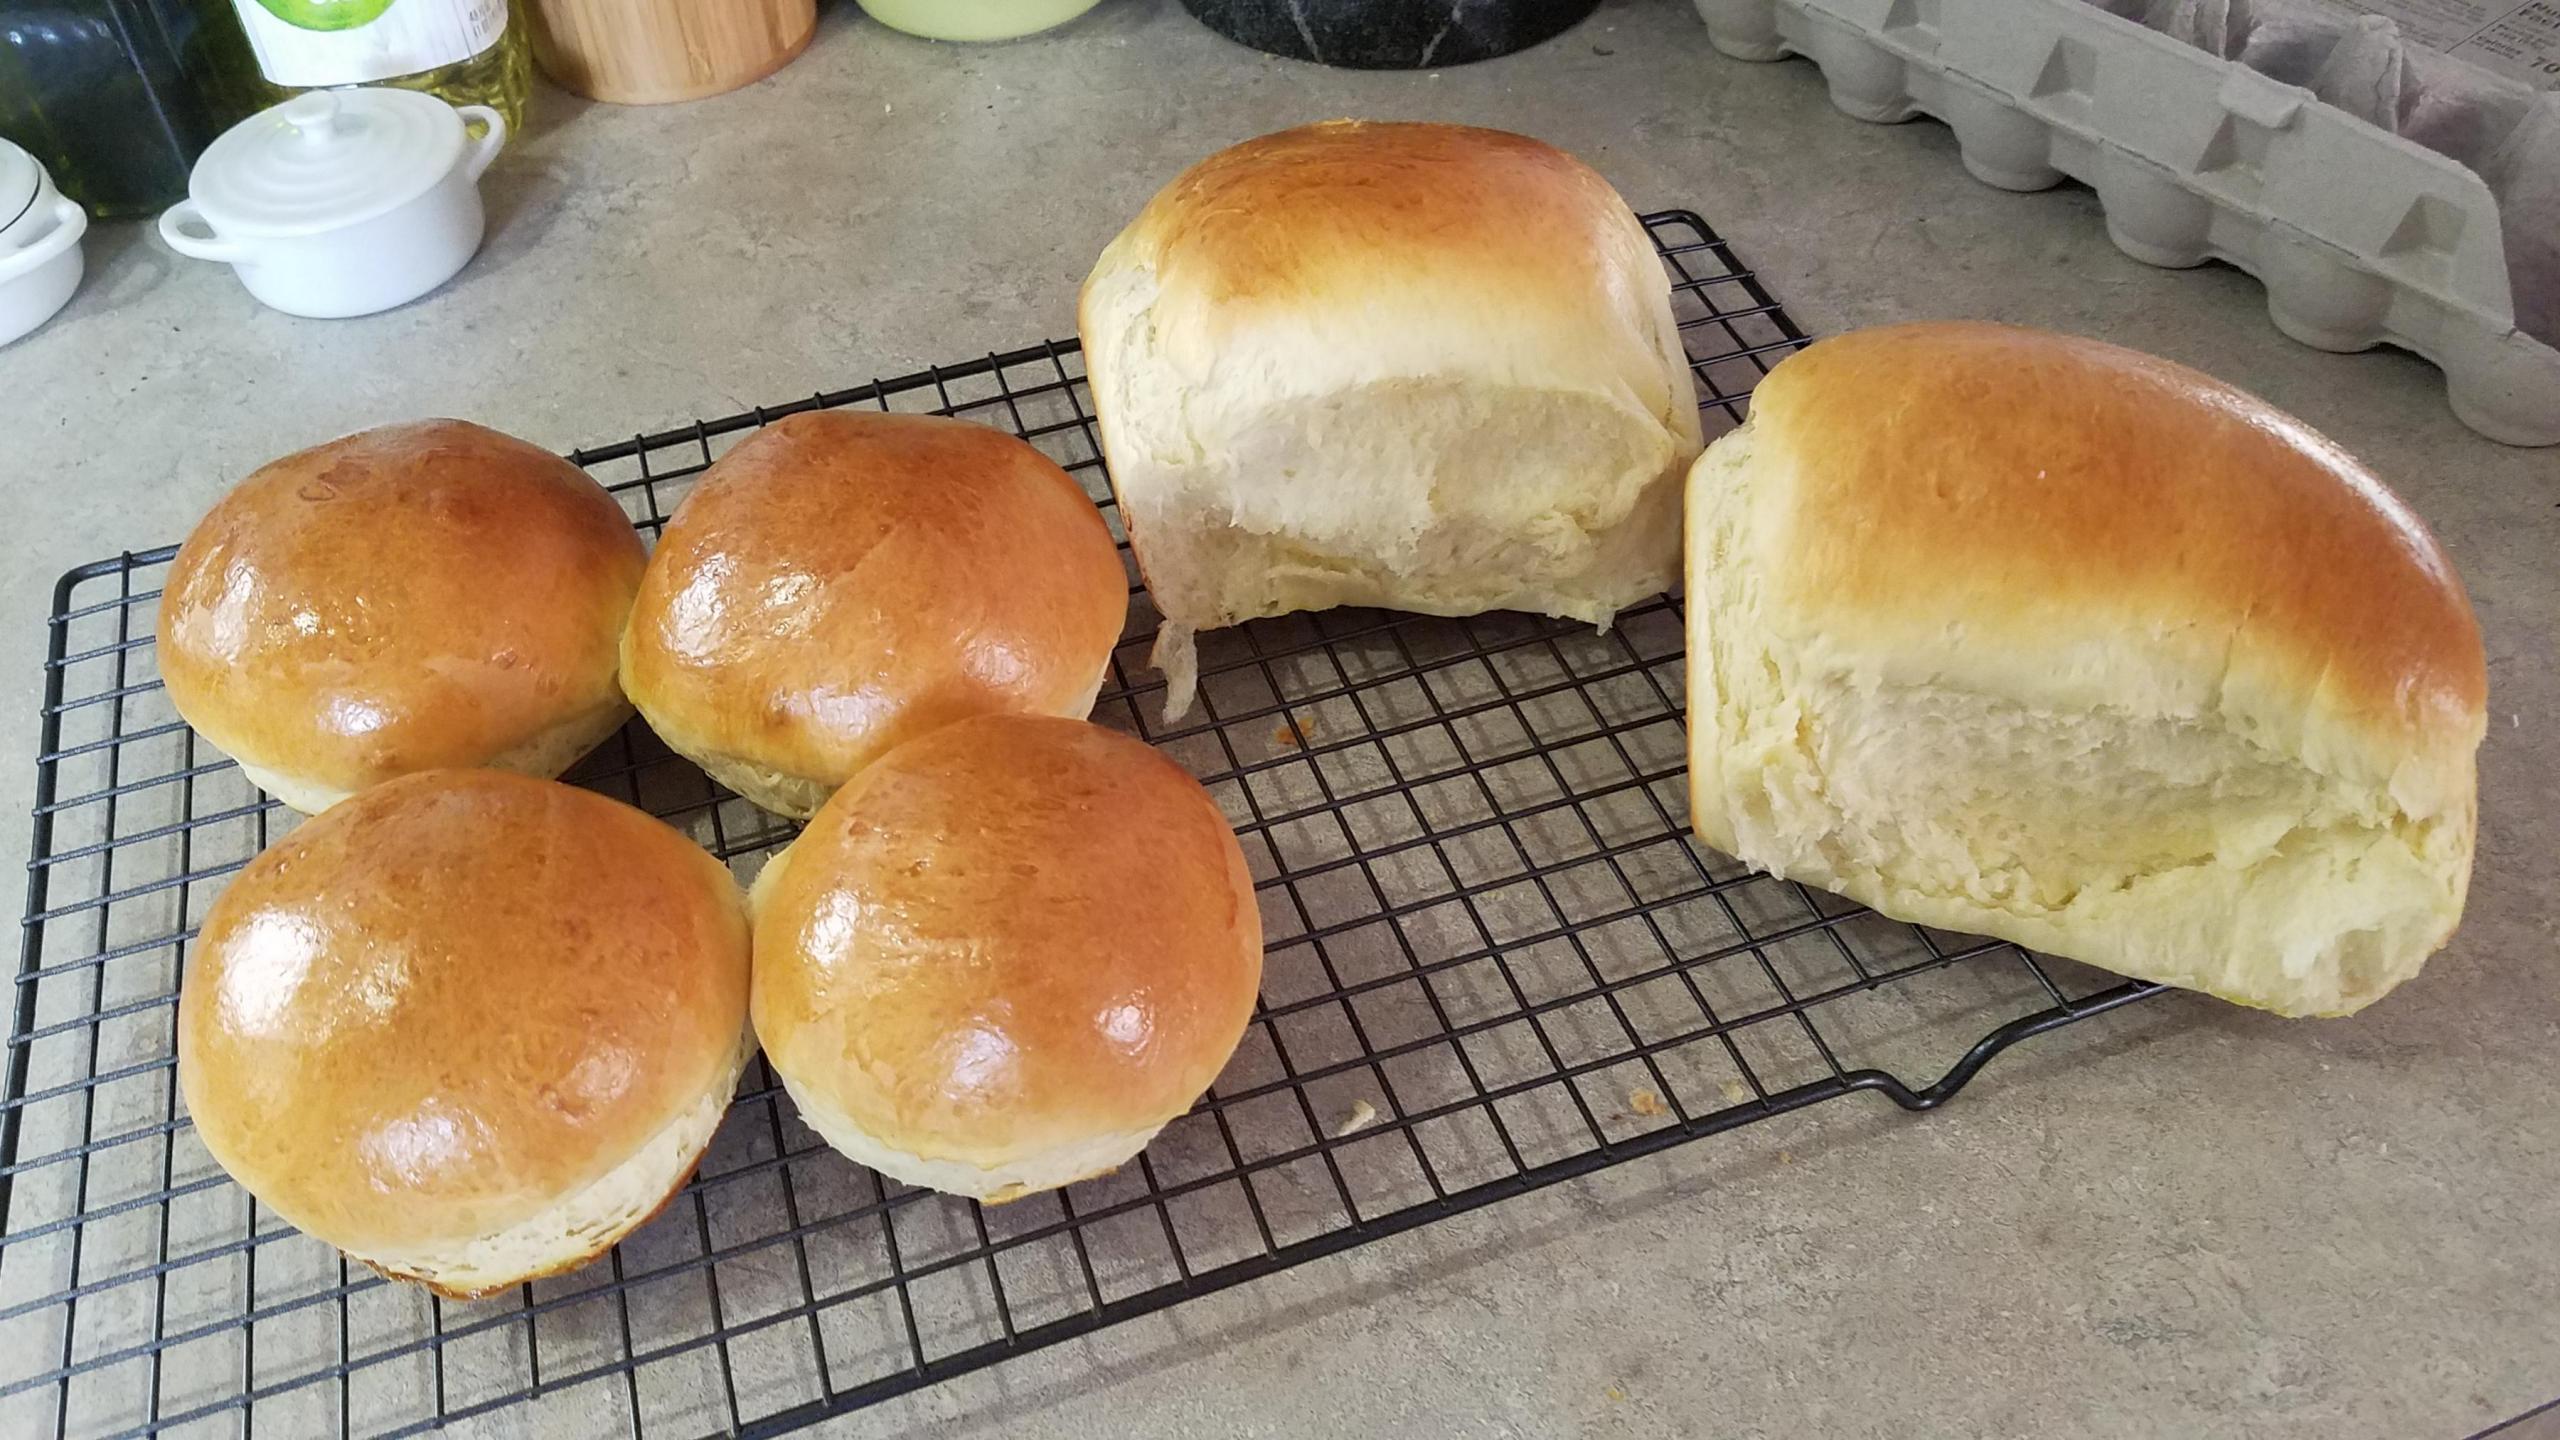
(117, 97)
(468, 52)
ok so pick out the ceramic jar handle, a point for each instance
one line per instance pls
(175, 223)
(70, 222)
(493, 138)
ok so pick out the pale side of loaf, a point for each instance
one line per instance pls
(2035, 637)
(402, 599)
(468, 1026)
(1426, 367)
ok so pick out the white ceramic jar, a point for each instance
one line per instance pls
(40, 231)
(341, 202)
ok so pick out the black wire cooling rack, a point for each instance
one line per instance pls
(1496, 961)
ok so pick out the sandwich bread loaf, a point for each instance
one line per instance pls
(2035, 637)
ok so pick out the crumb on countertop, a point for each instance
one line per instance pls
(1645, 1103)
(1362, 1116)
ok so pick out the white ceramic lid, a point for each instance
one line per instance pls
(20, 178)
(324, 160)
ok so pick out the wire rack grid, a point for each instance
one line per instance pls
(1496, 961)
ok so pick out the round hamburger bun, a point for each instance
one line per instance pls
(406, 598)
(469, 1027)
(843, 581)
(1005, 955)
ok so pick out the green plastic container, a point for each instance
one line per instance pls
(974, 19)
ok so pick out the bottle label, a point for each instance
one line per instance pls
(349, 42)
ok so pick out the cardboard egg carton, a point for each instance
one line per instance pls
(2361, 237)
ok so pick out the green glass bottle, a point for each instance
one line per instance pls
(117, 97)
(468, 52)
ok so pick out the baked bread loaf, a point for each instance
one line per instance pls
(1005, 955)
(402, 599)
(469, 1027)
(2032, 636)
(1426, 367)
(845, 580)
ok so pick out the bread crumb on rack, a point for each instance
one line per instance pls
(1295, 732)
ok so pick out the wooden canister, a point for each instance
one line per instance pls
(649, 52)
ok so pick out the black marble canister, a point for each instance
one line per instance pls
(1390, 34)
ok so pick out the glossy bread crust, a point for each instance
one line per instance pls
(1004, 944)
(2043, 491)
(404, 598)
(1325, 216)
(449, 1006)
(2027, 635)
(846, 580)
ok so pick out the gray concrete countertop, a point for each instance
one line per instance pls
(2184, 1219)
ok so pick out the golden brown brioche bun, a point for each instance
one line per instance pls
(1005, 954)
(843, 581)
(467, 1026)
(2033, 636)
(403, 599)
